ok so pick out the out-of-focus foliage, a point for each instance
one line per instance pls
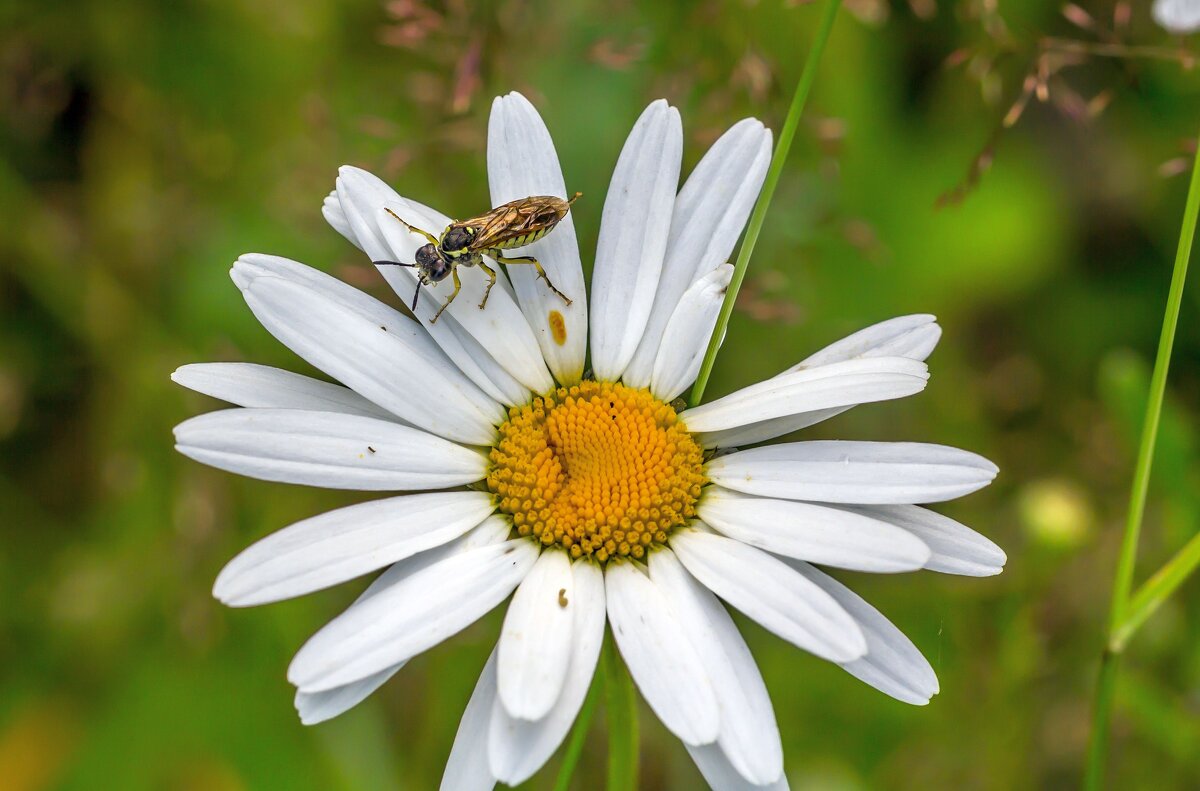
(144, 145)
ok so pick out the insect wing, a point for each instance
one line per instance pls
(517, 223)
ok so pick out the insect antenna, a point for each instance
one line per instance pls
(416, 293)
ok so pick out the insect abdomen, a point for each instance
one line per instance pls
(523, 239)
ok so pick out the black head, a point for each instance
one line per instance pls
(433, 267)
(456, 239)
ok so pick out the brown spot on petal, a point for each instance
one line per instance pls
(558, 327)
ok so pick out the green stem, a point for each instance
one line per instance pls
(1123, 581)
(622, 722)
(1155, 591)
(579, 735)
(1106, 685)
(764, 199)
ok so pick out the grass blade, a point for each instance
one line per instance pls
(1123, 581)
(1157, 590)
(786, 135)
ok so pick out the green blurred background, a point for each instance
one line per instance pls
(144, 145)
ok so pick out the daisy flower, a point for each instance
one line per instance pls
(1177, 16)
(585, 495)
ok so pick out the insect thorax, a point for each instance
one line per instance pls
(456, 239)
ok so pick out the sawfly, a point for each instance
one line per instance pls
(466, 242)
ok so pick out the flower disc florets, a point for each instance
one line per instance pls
(598, 468)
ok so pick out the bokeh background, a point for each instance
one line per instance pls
(144, 145)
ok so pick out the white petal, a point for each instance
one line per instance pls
(252, 266)
(661, 659)
(817, 533)
(450, 351)
(316, 707)
(956, 548)
(720, 775)
(366, 201)
(327, 449)
(535, 643)
(411, 615)
(468, 354)
(477, 363)
(913, 337)
(493, 530)
(360, 195)
(381, 365)
(854, 472)
(633, 237)
(708, 217)
(331, 210)
(340, 545)
(762, 430)
(836, 385)
(247, 384)
(767, 591)
(893, 664)
(749, 736)
(518, 748)
(467, 767)
(1177, 16)
(522, 162)
(685, 338)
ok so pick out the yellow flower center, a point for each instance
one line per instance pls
(598, 468)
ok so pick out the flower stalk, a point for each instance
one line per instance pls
(622, 722)
(579, 735)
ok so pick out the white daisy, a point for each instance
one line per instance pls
(1177, 16)
(591, 498)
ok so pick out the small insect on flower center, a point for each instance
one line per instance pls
(598, 468)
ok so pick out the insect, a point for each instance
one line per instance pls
(465, 242)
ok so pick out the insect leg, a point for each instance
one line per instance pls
(528, 259)
(492, 275)
(446, 304)
(428, 236)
